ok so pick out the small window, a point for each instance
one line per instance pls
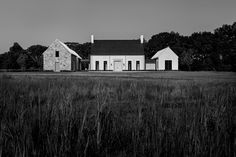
(57, 53)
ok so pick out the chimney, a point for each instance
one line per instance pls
(141, 39)
(92, 39)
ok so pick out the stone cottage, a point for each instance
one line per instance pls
(59, 57)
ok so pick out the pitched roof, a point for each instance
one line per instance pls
(165, 50)
(117, 47)
(68, 49)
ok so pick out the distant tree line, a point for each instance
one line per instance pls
(201, 51)
(32, 58)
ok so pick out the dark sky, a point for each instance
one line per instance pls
(42, 21)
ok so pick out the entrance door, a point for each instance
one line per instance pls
(57, 67)
(168, 65)
(118, 66)
(97, 65)
(105, 65)
(137, 65)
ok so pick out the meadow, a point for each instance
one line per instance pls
(161, 114)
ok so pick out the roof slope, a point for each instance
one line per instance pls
(165, 50)
(68, 49)
(117, 47)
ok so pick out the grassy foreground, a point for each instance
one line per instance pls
(87, 116)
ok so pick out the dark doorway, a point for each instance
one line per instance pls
(168, 65)
(105, 65)
(129, 65)
(137, 65)
(84, 64)
(97, 65)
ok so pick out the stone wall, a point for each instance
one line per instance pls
(49, 57)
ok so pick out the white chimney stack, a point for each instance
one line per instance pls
(141, 39)
(92, 39)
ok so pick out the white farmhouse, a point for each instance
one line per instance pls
(59, 57)
(166, 59)
(117, 55)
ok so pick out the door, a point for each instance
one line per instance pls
(118, 66)
(137, 65)
(168, 65)
(129, 65)
(105, 65)
(157, 64)
(97, 65)
(57, 67)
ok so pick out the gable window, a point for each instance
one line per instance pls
(97, 65)
(105, 65)
(129, 65)
(57, 53)
(137, 65)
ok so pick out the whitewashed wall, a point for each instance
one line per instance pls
(110, 61)
(167, 56)
(150, 66)
(49, 57)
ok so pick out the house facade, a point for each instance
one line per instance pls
(117, 55)
(166, 59)
(59, 57)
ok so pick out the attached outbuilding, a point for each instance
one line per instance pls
(59, 57)
(150, 64)
(166, 59)
(117, 55)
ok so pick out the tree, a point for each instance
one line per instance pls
(186, 59)
(226, 44)
(83, 50)
(15, 48)
(162, 40)
(10, 58)
(22, 60)
(35, 53)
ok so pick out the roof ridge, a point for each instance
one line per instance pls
(158, 53)
(68, 49)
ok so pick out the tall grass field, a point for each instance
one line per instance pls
(91, 116)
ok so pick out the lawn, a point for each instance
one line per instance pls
(118, 114)
(147, 75)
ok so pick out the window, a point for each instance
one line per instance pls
(129, 65)
(168, 64)
(105, 65)
(137, 65)
(97, 65)
(57, 53)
